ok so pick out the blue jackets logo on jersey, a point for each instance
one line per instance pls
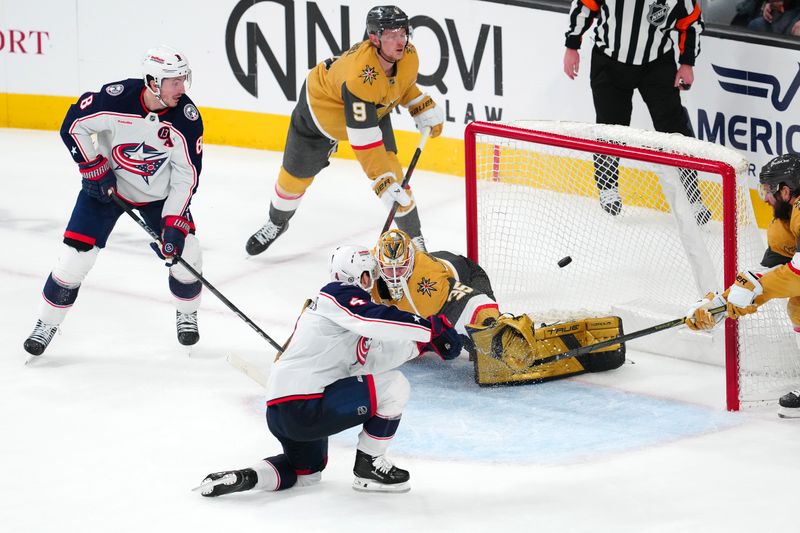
(115, 90)
(362, 348)
(141, 159)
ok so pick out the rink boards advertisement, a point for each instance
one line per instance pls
(479, 60)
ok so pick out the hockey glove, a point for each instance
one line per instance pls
(742, 294)
(98, 178)
(444, 339)
(389, 191)
(173, 235)
(698, 316)
(426, 114)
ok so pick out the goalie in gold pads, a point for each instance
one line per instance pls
(351, 97)
(778, 276)
(505, 349)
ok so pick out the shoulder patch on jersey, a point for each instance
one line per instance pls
(191, 112)
(369, 74)
(115, 90)
(426, 287)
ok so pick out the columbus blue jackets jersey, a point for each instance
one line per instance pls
(343, 334)
(155, 155)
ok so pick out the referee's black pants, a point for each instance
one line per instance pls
(613, 84)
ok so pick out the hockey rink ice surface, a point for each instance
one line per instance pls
(111, 428)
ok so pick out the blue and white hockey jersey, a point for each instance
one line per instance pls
(154, 154)
(343, 334)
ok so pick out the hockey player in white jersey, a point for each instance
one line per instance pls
(337, 373)
(141, 139)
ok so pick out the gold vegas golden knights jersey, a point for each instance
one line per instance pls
(784, 281)
(428, 284)
(349, 95)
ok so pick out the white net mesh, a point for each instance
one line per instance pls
(538, 203)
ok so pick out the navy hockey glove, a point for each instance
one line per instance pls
(98, 178)
(444, 339)
(174, 230)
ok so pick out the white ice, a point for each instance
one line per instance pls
(111, 428)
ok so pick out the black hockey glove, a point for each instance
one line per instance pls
(444, 339)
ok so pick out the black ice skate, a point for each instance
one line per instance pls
(186, 324)
(41, 336)
(789, 405)
(378, 474)
(227, 482)
(263, 238)
(611, 201)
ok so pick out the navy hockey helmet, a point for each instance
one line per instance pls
(782, 170)
(381, 18)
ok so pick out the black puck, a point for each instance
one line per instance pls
(564, 261)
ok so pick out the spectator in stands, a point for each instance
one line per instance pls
(778, 16)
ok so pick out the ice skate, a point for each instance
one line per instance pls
(419, 243)
(610, 201)
(263, 238)
(40, 338)
(227, 482)
(789, 405)
(378, 474)
(186, 323)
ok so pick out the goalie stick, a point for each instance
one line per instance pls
(583, 350)
(195, 273)
(426, 132)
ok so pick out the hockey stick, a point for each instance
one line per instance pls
(195, 273)
(426, 132)
(583, 350)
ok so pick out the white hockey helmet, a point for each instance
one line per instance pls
(395, 253)
(349, 262)
(165, 62)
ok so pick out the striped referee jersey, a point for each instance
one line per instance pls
(638, 31)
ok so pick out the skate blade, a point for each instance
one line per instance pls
(788, 412)
(207, 487)
(368, 485)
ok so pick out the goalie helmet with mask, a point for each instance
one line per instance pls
(350, 262)
(782, 170)
(164, 62)
(395, 254)
(381, 18)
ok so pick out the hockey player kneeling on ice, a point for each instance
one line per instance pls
(457, 287)
(148, 151)
(778, 276)
(337, 373)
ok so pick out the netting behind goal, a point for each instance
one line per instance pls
(532, 199)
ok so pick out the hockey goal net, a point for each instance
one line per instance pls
(532, 199)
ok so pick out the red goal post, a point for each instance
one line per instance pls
(531, 199)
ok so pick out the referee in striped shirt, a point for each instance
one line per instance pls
(634, 42)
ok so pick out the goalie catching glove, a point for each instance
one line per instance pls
(512, 351)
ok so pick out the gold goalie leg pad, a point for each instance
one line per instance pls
(511, 350)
